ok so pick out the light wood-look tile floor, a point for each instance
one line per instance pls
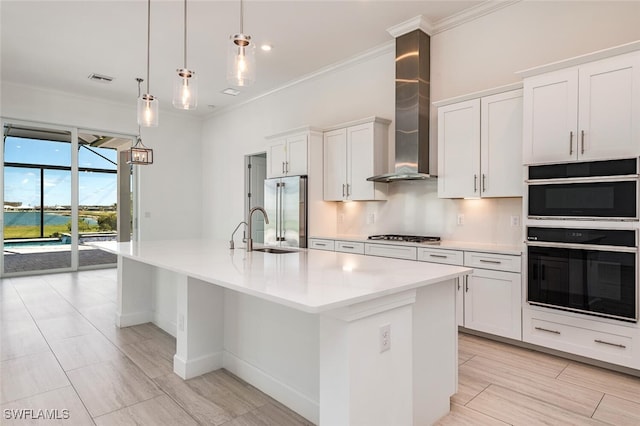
(60, 350)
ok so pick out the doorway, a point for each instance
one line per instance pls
(255, 174)
(61, 191)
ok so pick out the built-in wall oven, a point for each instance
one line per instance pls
(592, 271)
(577, 259)
(596, 190)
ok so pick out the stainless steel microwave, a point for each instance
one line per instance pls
(596, 190)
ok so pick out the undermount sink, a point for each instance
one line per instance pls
(273, 250)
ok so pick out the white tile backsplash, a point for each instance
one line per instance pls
(413, 207)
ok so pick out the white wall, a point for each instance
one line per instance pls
(474, 56)
(170, 189)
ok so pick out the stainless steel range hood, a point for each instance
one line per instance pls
(412, 109)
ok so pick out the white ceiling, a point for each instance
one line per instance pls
(57, 44)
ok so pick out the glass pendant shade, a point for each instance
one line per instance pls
(139, 154)
(241, 61)
(148, 110)
(185, 89)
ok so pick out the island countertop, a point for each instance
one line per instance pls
(312, 281)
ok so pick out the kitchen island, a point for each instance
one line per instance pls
(342, 339)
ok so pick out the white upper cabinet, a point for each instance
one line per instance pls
(354, 152)
(585, 112)
(480, 146)
(287, 154)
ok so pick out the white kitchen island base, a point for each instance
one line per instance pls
(307, 330)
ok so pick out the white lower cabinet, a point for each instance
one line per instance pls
(492, 303)
(350, 247)
(493, 294)
(321, 244)
(388, 250)
(604, 341)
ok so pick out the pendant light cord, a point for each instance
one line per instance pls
(241, 15)
(148, 39)
(185, 34)
(139, 80)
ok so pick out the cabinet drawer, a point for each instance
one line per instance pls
(614, 346)
(350, 247)
(318, 244)
(499, 262)
(386, 250)
(450, 257)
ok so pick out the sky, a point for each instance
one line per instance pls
(23, 185)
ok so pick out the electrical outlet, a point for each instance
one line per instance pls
(371, 218)
(147, 215)
(341, 217)
(515, 220)
(385, 338)
(460, 221)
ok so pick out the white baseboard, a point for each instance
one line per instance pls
(278, 390)
(167, 325)
(197, 366)
(134, 318)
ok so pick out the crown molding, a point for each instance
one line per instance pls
(470, 14)
(416, 23)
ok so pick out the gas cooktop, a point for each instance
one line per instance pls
(405, 238)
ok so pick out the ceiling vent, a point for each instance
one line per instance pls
(100, 78)
(230, 91)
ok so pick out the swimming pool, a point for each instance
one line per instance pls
(34, 243)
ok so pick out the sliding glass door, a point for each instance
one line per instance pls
(62, 190)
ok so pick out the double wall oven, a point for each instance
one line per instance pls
(582, 238)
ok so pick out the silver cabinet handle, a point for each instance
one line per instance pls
(343, 185)
(484, 183)
(348, 190)
(441, 256)
(617, 345)
(458, 283)
(495, 262)
(582, 142)
(475, 183)
(348, 247)
(321, 244)
(547, 330)
(283, 167)
(466, 284)
(286, 166)
(571, 143)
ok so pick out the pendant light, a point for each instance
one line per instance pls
(147, 103)
(241, 67)
(138, 153)
(185, 95)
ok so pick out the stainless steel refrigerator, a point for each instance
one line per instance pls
(285, 200)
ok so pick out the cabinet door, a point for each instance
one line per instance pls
(335, 165)
(276, 158)
(459, 150)
(609, 107)
(492, 303)
(360, 162)
(501, 145)
(296, 162)
(550, 113)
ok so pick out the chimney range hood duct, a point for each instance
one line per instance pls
(412, 109)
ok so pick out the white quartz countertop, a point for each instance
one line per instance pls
(312, 281)
(444, 244)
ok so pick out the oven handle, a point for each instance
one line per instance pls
(588, 179)
(594, 247)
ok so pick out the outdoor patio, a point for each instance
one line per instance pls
(44, 260)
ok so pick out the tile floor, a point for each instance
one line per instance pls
(59, 350)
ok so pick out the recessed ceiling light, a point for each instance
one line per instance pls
(230, 91)
(100, 78)
(266, 47)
